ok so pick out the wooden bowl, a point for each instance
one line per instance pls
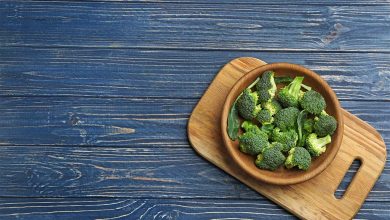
(284, 176)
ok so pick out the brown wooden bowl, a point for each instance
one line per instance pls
(283, 176)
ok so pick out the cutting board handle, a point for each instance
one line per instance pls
(367, 174)
(312, 199)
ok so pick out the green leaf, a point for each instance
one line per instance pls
(233, 122)
(301, 117)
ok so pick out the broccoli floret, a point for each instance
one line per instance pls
(298, 157)
(267, 128)
(313, 102)
(271, 158)
(253, 142)
(276, 145)
(273, 106)
(324, 125)
(308, 125)
(264, 117)
(247, 104)
(286, 119)
(249, 126)
(266, 86)
(317, 146)
(289, 95)
(288, 138)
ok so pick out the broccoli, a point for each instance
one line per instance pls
(273, 106)
(249, 126)
(253, 142)
(276, 145)
(271, 158)
(288, 138)
(298, 157)
(286, 119)
(317, 146)
(313, 102)
(300, 96)
(264, 117)
(289, 95)
(324, 125)
(267, 128)
(308, 125)
(247, 104)
(266, 86)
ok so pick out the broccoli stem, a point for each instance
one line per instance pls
(254, 83)
(287, 79)
(295, 86)
(308, 88)
(323, 141)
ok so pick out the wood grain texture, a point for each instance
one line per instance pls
(121, 122)
(171, 73)
(157, 209)
(313, 199)
(66, 53)
(251, 2)
(161, 170)
(91, 121)
(195, 26)
(282, 175)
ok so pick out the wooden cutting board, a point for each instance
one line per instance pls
(313, 199)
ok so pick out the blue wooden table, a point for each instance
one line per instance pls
(96, 95)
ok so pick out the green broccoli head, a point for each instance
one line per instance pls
(317, 146)
(289, 95)
(313, 102)
(266, 86)
(264, 117)
(248, 126)
(276, 145)
(267, 128)
(271, 158)
(324, 125)
(308, 125)
(273, 106)
(253, 142)
(286, 119)
(298, 157)
(287, 138)
(247, 104)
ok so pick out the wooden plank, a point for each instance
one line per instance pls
(196, 26)
(121, 121)
(135, 172)
(171, 73)
(93, 121)
(254, 2)
(186, 209)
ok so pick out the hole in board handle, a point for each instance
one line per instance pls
(347, 179)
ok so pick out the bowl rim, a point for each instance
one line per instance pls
(306, 175)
